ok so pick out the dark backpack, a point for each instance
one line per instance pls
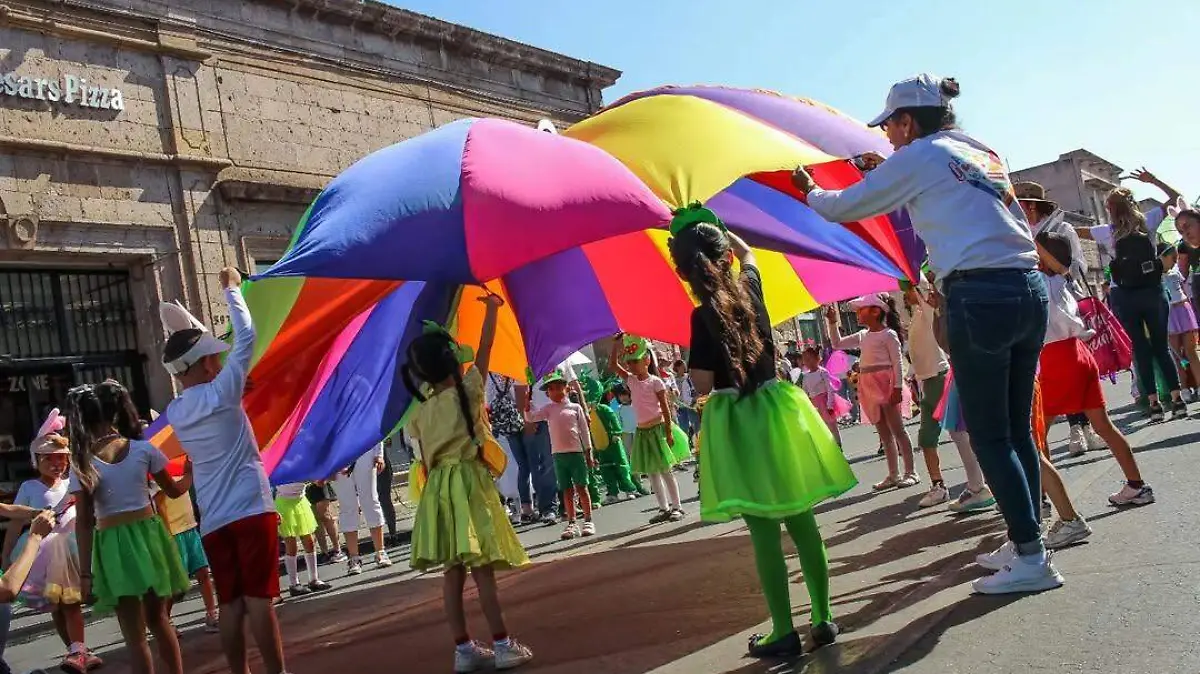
(1135, 263)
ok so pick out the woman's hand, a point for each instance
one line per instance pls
(491, 299)
(42, 524)
(831, 313)
(802, 181)
(897, 397)
(868, 161)
(1142, 175)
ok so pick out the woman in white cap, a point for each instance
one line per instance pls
(959, 198)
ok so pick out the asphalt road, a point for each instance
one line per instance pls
(682, 598)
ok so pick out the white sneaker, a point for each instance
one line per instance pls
(938, 494)
(970, 501)
(1076, 446)
(472, 660)
(513, 655)
(383, 560)
(1035, 573)
(354, 566)
(1066, 532)
(996, 560)
(588, 529)
(572, 531)
(1093, 441)
(1128, 496)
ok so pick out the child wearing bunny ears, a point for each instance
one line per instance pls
(54, 582)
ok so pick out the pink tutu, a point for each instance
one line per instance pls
(54, 577)
(841, 406)
(1181, 319)
(874, 391)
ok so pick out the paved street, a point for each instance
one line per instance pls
(682, 598)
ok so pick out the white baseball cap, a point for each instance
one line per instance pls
(922, 91)
(872, 300)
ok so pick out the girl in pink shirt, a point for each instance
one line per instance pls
(655, 440)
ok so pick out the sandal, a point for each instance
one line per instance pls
(886, 483)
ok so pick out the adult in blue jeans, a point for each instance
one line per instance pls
(960, 200)
(530, 446)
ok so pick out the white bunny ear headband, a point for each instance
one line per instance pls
(44, 443)
(1179, 205)
(180, 356)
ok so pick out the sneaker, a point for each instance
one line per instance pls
(1076, 446)
(354, 567)
(513, 654)
(675, 515)
(1128, 496)
(1179, 409)
(572, 531)
(319, 586)
(382, 559)
(1156, 413)
(298, 590)
(611, 499)
(75, 662)
(970, 501)
(549, 517)
(1066, 532)
(212, 623)
(937, 495)
(588, 529)
(472, 658)
(662, 516)
(999, 558)
(886, 483)
(1092, 441)
(1033, 574)
(909, 480)
(338, 558)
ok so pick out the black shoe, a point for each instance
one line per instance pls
(319, 586)
(1156, 413)
(783, 647)
(662, 516)
(824, 634)
(1179, 410)
(298, 590)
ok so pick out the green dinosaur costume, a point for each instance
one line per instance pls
(612, 462)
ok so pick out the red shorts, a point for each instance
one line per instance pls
(244, 558)
(1070, 379)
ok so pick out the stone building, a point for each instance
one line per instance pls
(146, 144)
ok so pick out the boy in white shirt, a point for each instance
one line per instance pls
(238, 523)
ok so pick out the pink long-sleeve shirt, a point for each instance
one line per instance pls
(567, 424)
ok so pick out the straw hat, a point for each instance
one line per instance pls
(1031, 191)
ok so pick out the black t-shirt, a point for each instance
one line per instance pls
(708, 349)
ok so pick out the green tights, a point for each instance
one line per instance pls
(773, 573)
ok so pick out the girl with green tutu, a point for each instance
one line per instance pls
(297, 524)
(460, 523)
(657, 444)
(128, 560)
(765, 453)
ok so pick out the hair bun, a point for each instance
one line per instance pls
(949, 87)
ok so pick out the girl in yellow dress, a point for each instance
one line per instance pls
(461, 524)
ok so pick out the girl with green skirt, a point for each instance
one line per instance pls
(765, 453)
(128, 559)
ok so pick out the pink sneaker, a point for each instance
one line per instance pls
(75, 662)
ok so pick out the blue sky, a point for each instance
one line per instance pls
(1039, 77)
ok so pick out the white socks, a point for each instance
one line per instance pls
(310, 561)
(289, 563)
(666, 490)
(672, 490)
(962, 440)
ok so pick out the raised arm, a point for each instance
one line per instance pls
(487, 338)
(886, 188)
(614, 360)
(741, 250)
(1142, 175)
(231, 382)
(836, 339)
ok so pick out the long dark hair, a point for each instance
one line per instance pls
(432, 359)
(701, 254)
(94, 411)
(891, 318)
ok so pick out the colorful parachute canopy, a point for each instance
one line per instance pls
(692, 143)
(466, 203)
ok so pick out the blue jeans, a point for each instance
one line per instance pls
(996, 323)
(535, 463)
(1143, 314)
(689, 421)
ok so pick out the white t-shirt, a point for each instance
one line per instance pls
(928, 359)
(957, 194)
(123, 486)
(291, 490)
(231, 483)
(816, 383)
(35, 494)
(1063, 321)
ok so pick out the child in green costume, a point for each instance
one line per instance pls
(765, 453)
(613, 464)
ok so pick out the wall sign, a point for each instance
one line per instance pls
(70, 90)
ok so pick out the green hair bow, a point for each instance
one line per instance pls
(692, 215)
(464, 353)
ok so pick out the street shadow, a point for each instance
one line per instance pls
(926, 634)
(884, 517)
(940, 533)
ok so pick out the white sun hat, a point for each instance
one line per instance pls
(176, 319)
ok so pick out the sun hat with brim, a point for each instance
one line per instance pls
(871, 300)
(922, 91)
(1031, 191)
(202, 345)
(551, 378)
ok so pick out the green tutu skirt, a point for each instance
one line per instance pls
(136, 559)
(461, 522)
(767, 455)
(296, 517)
(651, 454)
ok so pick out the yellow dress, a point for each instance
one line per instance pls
(460, 519)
